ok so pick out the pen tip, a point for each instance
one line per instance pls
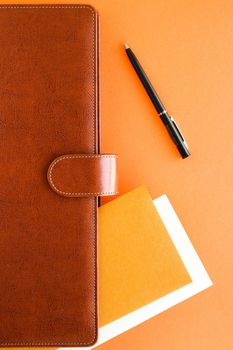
(126, 46)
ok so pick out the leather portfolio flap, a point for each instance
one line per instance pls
(84, 175)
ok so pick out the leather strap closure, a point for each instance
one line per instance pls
(84, 175)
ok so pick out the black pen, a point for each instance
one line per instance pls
(167, 120)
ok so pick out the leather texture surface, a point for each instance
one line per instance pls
(84, 175)
(48, 107)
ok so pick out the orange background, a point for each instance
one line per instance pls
(186, 48)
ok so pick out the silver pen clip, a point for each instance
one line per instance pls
(179, 132)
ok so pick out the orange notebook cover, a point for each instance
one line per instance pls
(138, 262)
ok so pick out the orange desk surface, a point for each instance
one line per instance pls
(186, 48)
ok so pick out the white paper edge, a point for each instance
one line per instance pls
(193, 264)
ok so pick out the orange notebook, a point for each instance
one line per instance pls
(137, 260)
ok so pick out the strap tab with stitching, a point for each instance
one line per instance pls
(84, 175)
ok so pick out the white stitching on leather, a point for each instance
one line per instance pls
(77, 157)
(94, 215)
(46, 6)
(93, 94)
